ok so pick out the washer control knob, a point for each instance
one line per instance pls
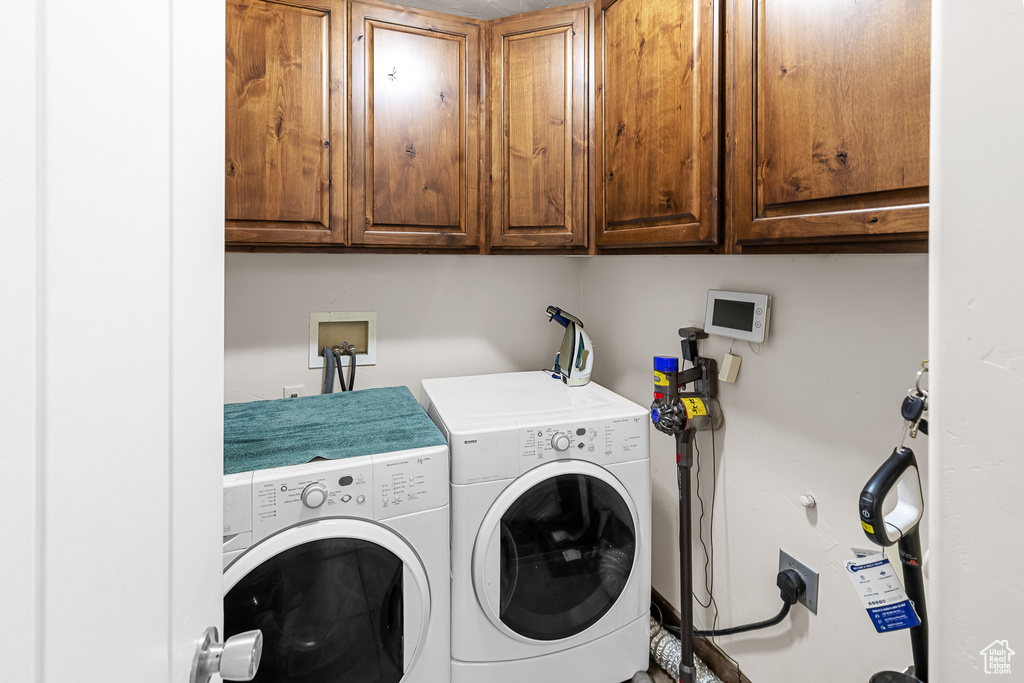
(314, 495)
(560, 441)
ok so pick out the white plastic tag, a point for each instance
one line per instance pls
(882, 593)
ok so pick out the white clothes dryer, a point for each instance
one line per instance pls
(343, 563)
(551, 528)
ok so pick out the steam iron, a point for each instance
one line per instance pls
(575, 359)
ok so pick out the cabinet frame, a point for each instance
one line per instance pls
(701, 231)
(575, 23)
(363, 229)
(266, 232)
(885, 221)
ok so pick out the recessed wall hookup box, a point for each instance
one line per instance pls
(358, 329)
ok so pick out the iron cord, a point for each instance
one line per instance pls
(709, 549)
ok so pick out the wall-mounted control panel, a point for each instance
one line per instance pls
(739, 315)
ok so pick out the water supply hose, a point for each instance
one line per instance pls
(337, 361)
(667, 652)
(351, 351)
(328, 387)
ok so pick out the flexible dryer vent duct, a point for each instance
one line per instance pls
(667, 652)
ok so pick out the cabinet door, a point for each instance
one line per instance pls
(656, 123)
(284, 82)
(829, 103)
(415, 100)
(540, 104)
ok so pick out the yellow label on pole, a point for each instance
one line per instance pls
(695, 406)
(660, 380)
(867, 527)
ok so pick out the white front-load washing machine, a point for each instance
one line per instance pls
(551, 528)
(341, 562)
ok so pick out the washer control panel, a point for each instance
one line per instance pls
(404, 483)
(606, 441)
(371, 487)
(314, 490)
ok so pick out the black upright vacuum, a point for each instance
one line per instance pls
(901, 526)
(682, 414)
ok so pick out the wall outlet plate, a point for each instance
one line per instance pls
(332, 327)
(810, 597)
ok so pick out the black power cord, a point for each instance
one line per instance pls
(791, 587)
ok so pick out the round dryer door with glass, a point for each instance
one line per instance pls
(555, 551)
(337, 600)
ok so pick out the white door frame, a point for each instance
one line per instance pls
(112, 272)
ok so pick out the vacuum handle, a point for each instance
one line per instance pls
(885, 530)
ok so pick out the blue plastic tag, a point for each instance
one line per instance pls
(882, 593)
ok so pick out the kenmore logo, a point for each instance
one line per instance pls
(470, 441)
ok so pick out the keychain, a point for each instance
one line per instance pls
(914, 406)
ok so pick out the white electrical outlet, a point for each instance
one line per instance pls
(294, 391)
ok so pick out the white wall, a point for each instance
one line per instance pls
(977, 335)
(437, 315)
(815, 410)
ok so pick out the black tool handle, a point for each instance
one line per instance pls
(872, 518)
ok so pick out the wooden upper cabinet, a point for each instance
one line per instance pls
(284, 81)
(656, 123)
(827, 106)
(540, 107)
(415, 128)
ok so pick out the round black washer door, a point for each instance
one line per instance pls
(329, 610)
(567, 549)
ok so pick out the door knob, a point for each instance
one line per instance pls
(236, 660)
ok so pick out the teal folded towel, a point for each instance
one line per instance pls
(291, 431)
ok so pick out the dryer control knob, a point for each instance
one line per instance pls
(314, 495)
(560, 441)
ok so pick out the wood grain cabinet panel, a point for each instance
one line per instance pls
(279, 163)
(415, 128)
(540, 103)
(656, 123)
(829, 107)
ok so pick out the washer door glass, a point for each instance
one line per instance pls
(329, 610)
(567, 549)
